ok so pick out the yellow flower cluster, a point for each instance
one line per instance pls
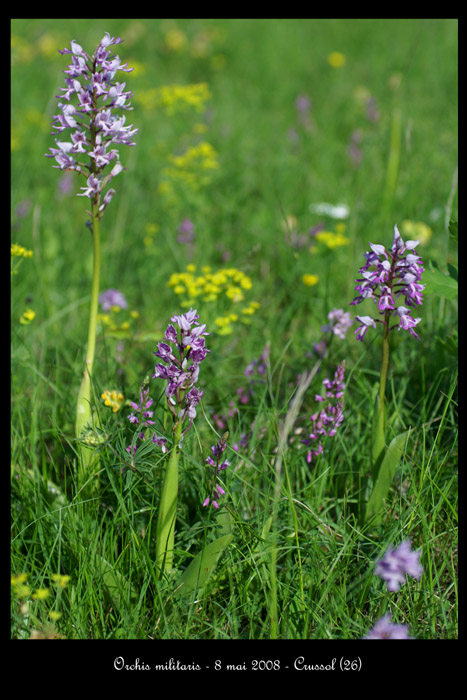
(19, 583)
(110, 321)
(20, 251)
(332, 239)
(22, 591)
(28, 316)
(224, 323)
(191, 167)
(416, 230)
(17, 253)
(175, 98)
(201, 45)
(212, 286)
(114, 399)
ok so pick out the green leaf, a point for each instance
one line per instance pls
(115, 586)
(225, 521)
(383, 482)
(452, 269)
(378, 436)
(449, 342)
(439, 284)
(453, 230)
(201, 567)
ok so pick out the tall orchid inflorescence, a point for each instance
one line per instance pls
(95, 129)
(326, 422)
(93, 124)
(218, 464)
(386, 276)
(183, 353)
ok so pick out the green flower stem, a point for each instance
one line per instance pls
(384, 358)
(165, 529)
(83, 406)
(379, 418)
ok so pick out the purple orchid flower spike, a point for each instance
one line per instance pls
(386, 276)
(92, 123)
(181, 356)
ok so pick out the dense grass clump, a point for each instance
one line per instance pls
(270, 154)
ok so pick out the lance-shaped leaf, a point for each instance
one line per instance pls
(378, 436)
(202, 566)
(387, 470)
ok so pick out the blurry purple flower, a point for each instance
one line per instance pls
(340, 322)
(112, 297)
(326, 422)
(141, 416)
(258, 365)
(22, 208)
(372, 111)
(303, 104)
(303, 107)
(354, 150)
(293, 136)
(218, 465)
(396, 563)
(65, 184)
(320, 349)
(385, 628)
(316, 229)
(186, 231)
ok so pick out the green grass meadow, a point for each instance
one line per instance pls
(271, 119)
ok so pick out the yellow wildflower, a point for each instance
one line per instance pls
(332, 240)
(310, 280)
(18, 579)
(19, 251)
(234, 293)
(417, 231)
(177, 98)
(27, 317)
(336, 59)
(41, 594)
(55, 615)
(138, 68)
(61, 579)
(113, 399)
(22, 591)
(151, 228)
(175, 40)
